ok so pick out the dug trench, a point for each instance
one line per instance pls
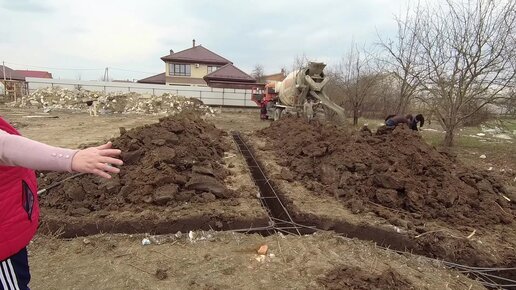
(390, 188)
(279, 207)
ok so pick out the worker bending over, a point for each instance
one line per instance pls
(393, 120)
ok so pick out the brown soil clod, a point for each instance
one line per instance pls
(343, 277)
(161, 274)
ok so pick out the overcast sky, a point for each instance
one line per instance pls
(130, 36)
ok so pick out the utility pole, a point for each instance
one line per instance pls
(106, 74)
(5, 84)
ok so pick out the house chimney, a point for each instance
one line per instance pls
(171, 51)
(193, 42)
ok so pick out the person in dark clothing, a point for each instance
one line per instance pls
(393, 120)
(417, 119)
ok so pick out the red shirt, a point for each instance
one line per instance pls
(19, 210)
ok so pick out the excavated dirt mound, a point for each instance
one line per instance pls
(168, 166)
(176, 160)
(344, 277)
(394, 174)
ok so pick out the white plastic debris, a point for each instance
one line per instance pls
(146, 242)
(481, 134)
(503, 136)
(490, 168)
(260, 258)
(191, 236)
(483, 156)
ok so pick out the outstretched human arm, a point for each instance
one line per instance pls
(20, 151)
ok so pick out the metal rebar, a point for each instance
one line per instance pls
(247, 153)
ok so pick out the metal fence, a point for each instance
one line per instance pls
(210, 96)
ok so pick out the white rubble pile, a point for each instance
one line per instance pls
(58, 98)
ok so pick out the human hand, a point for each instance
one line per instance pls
(96, 160)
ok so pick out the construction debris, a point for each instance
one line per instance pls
(263, 250)
(63, 99)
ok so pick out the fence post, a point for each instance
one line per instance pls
(153, 93)
(223, 91)
(200, 96)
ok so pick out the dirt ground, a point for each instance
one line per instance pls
(113, 261)
(71, 129)
(229, 261)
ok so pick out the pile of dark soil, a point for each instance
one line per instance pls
(394, 174)
(344, 277)
(174, 161)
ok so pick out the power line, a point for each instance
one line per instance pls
(80, 69)
(54, 68)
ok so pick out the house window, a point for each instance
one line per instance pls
(212, 68)
(180, 69)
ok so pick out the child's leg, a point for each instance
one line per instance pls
(14, 272)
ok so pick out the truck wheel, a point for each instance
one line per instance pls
(277, 114)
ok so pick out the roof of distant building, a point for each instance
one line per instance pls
(34, 74)
(20, 75)
(230, 76)
(155, 79)
(196, 54)
(231, 73)
(275, 77)
(10, 74)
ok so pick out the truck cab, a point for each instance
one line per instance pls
(265, 97)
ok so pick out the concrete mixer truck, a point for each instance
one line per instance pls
(289, 95)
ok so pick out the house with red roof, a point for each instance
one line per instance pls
(33, 74)
(20, 75)
(199, 66)
(14, 81)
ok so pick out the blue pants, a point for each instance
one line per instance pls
(14, 272)
(390, 123)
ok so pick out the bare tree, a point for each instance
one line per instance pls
(300, 61)
(465, 57)
(508, 105)
(400, 58)
(355, 78)
(258, 73)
